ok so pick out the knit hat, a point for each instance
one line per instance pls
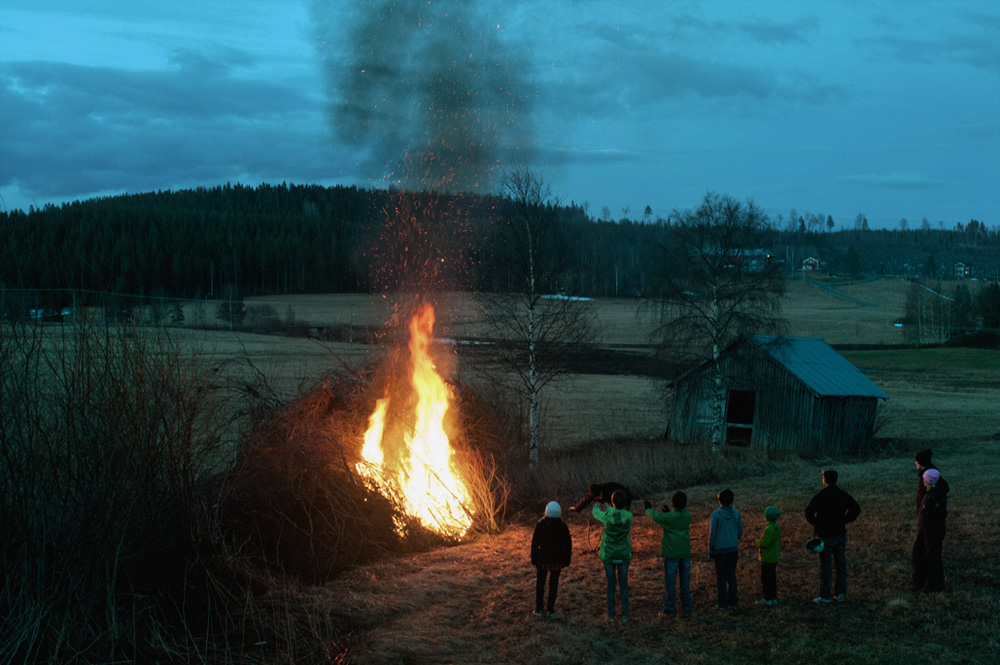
(553, 509)
(771, 514)
(932, 476)
(923, 458)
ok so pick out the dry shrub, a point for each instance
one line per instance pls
(293, 498)
(296, 500)
(104, 433)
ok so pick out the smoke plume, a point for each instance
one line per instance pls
(430, 91)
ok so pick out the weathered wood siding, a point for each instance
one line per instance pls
(788, 415)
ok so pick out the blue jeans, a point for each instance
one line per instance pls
(621, 569)
(833, 553)
(670, 569)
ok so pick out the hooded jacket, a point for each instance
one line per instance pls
(616, 543)
(831, 510)
(769, 543)
(676, 543)
(551, 543)
(725, 531)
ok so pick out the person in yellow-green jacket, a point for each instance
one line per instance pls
(769, 548)
(675, 548)
(616, 548)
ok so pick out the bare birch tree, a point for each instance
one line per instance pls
(532, 314)
(721, 283)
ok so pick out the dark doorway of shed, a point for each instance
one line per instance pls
(739, 417)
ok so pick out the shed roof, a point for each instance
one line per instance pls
(821, 368)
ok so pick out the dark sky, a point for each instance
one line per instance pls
(891, 109)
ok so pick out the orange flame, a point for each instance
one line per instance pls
(420, 466)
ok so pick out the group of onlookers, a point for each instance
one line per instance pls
(829, 512)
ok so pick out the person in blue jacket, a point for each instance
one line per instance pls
(724, 533)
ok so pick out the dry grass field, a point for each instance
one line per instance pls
(953, 399)
(472, 603)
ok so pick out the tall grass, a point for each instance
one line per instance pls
(104, 433)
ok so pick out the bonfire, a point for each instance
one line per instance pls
(414, 457)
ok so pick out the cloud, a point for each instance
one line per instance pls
(898, 180)
(611, 69)
(72, 130)
(974, 42)
(563, 156)
(765, 31)
(761, 30)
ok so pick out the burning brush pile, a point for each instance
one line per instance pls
(393, 458)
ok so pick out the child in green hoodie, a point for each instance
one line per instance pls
(675, 548)
(769, 548)
(616, 548)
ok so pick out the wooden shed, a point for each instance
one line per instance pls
(781, 393)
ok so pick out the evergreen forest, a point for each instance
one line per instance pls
(285, 239)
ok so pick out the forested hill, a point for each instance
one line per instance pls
(309, 239)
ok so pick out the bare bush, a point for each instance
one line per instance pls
(104, 433)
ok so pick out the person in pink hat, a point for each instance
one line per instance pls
(933, 511)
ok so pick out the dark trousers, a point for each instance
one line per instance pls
(833, 553)
(928, 568)
(725, 578)
(540, 588)
(769, 580)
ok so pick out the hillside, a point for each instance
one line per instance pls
(297, 239)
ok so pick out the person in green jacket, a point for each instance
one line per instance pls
(616, 548)
(769, 550)
(675, 548)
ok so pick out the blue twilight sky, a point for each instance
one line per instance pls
(886, 108)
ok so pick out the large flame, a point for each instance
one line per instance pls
(418, 464)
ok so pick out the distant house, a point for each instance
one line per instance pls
(962, 271)
(751, 260)
(811, 263)
(781, 393)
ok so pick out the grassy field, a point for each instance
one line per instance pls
(472, 603)
(953, 399)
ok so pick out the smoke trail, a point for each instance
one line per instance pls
(431, 91)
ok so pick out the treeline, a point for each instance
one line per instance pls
(278, 239)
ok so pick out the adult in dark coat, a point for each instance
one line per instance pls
(933, 511)
(921, 545)
(602, 493)
(551, 551)
(830, 511)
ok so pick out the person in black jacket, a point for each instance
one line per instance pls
(551, 550)
(933, 511)
(830, 511)
(602, 493)
(921, 544)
